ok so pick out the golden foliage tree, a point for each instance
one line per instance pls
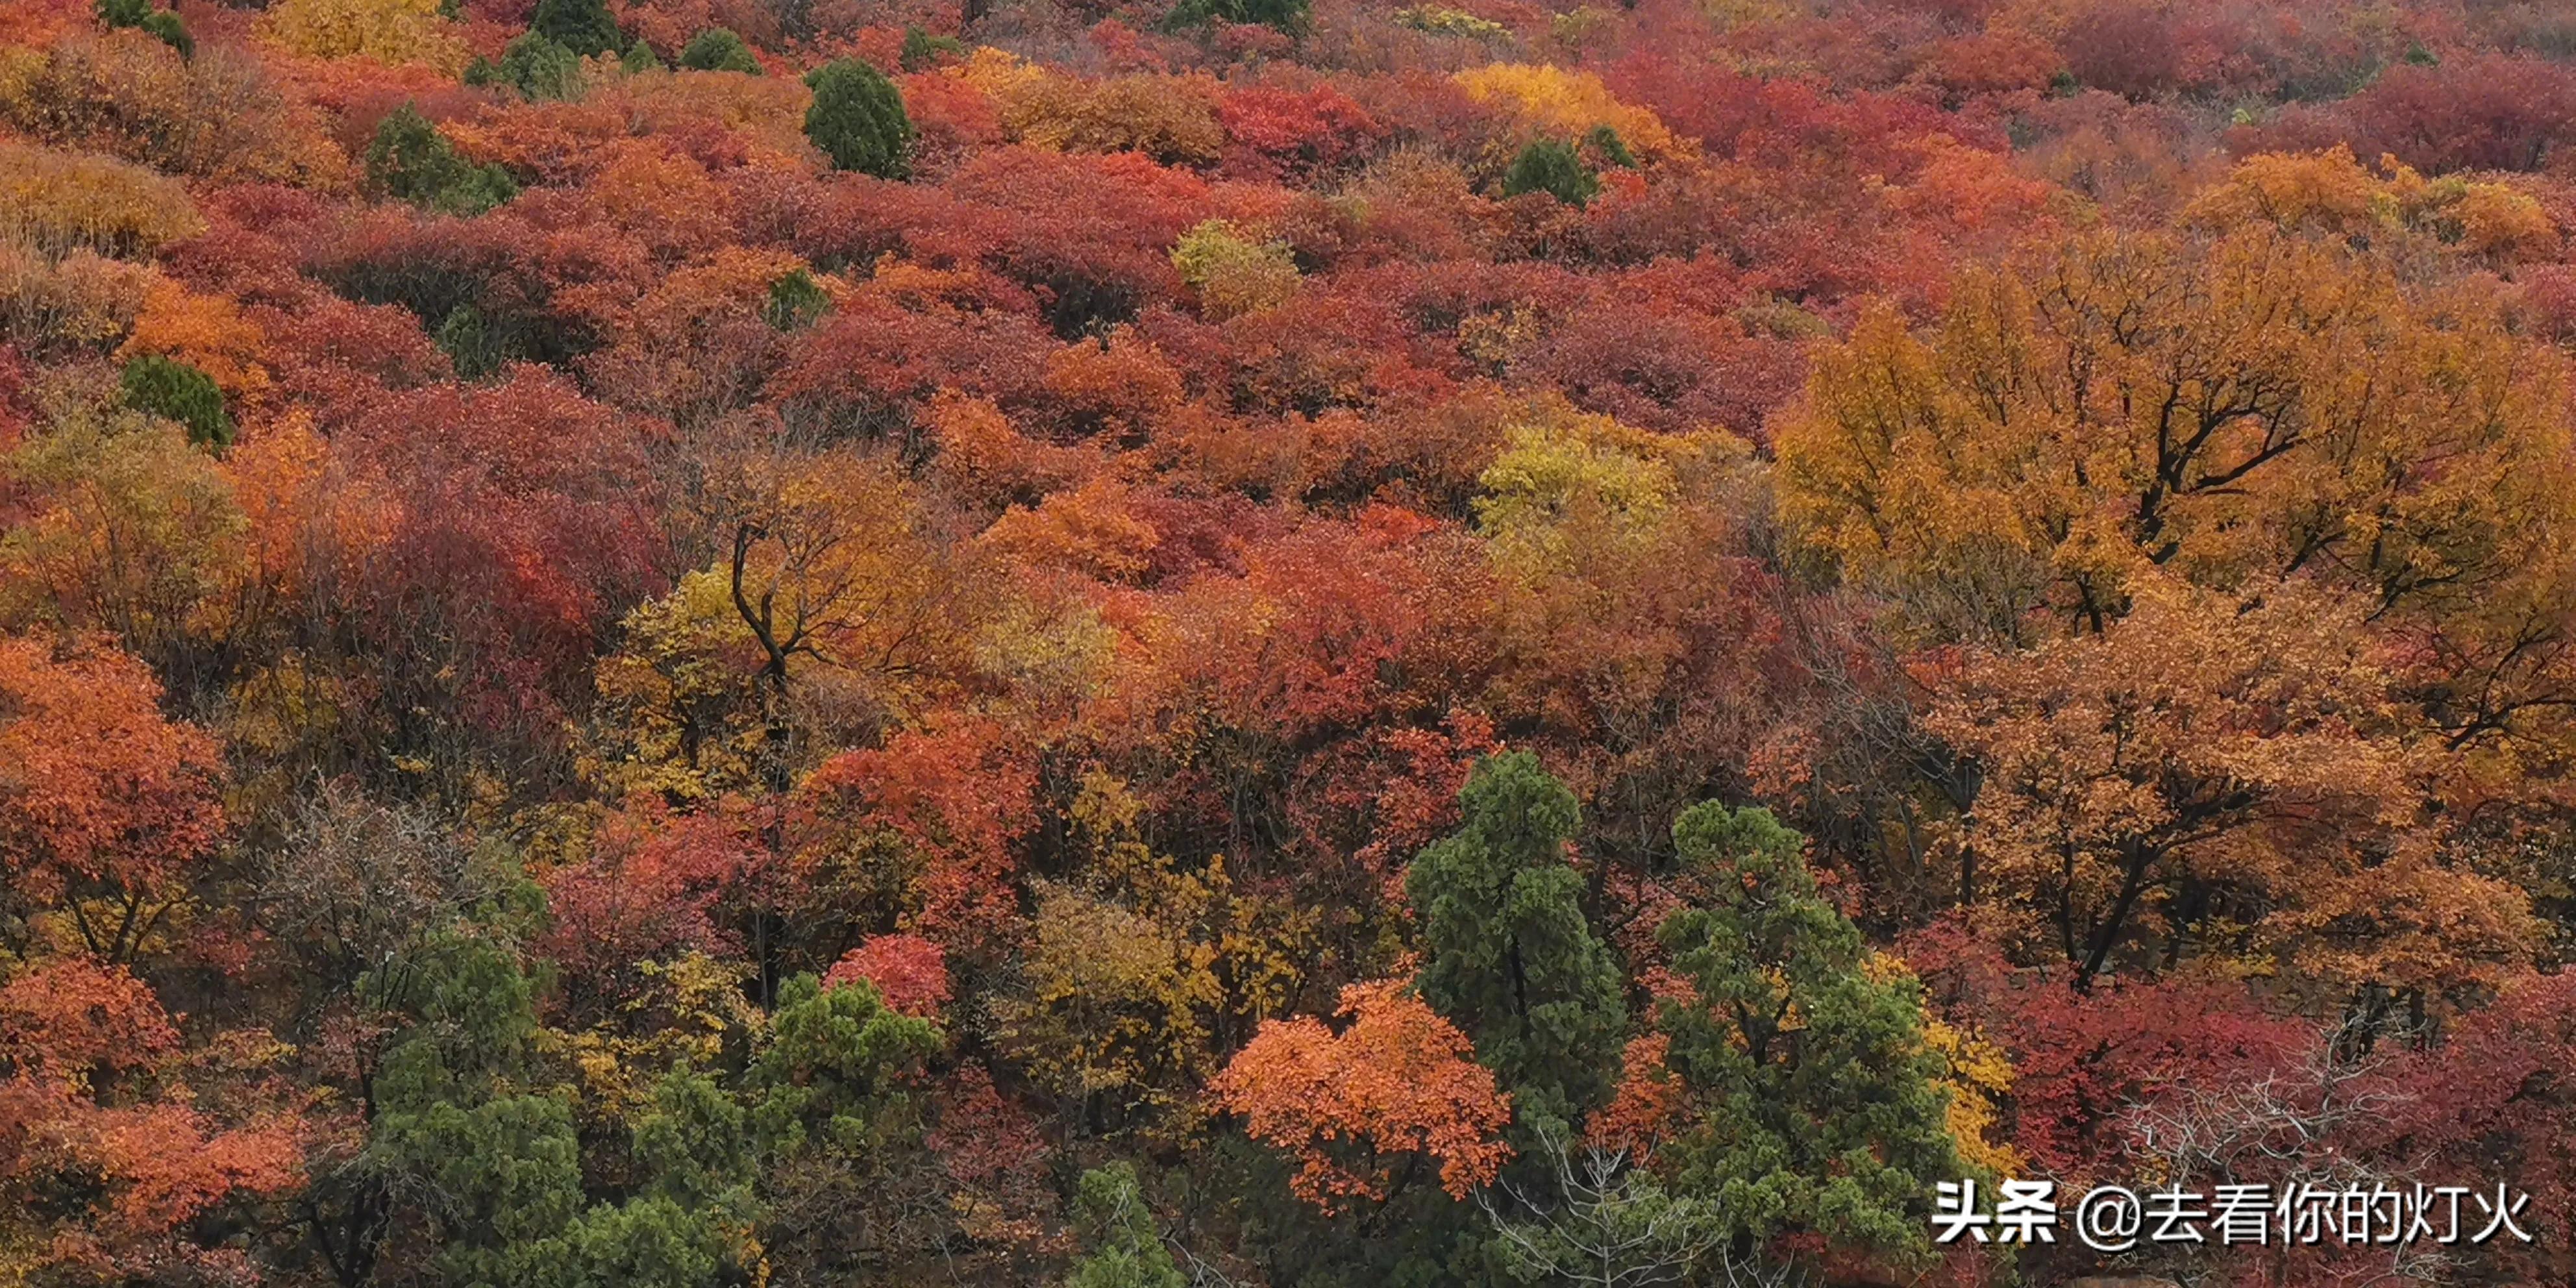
(59, 201)
(394, 32)
(2252, 406)
(2236, 772)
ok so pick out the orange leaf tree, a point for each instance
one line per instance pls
(1398, 1080)
(106, 1156)
(103, 803)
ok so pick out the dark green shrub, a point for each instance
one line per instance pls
(1606, 144)
(540, 68)
(796, 300)
(582, 26)
(176, 391)
(172, 32)
(922, 51)
(1554, 168)
(140, 15)
(858, 120)
(1285, 15)
(410, 161)
(718, 49)
(639, 58)
(473, 344)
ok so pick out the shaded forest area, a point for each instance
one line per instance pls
(675, 643)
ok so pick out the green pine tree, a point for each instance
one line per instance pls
(834, 1061)
(1818, 1105)
(541, 68)
(696, 1143)
(1124, 1251)
(176, 391)
(858, 119)
(1508, 954)
(468, 1121)
(459, 1116)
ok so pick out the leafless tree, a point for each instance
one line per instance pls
(2288, 1128)
(354, 880)
(1613, 1225)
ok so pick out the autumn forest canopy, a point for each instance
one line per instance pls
(1277, 643)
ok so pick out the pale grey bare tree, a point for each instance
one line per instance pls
(1611, 1224)
(2285, 1128)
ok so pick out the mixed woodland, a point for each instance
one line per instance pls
(1265, 644)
